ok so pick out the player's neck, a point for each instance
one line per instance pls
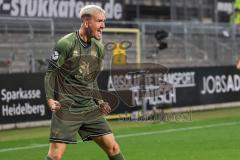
(84, 36)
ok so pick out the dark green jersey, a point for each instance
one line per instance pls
(72, 75)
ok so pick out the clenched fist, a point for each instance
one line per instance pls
(104, 108)
(54, 105)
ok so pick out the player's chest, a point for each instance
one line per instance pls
(79, 50)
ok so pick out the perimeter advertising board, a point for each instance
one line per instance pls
(22, 96)
(58, 8)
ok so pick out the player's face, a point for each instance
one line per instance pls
(96, 25)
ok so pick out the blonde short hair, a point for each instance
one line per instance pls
(90, 10)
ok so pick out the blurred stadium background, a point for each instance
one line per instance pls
(192, 45)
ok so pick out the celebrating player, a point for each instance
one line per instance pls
(71, 88)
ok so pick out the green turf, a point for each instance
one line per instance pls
(174, 140)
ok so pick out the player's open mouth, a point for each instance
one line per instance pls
(99, 33)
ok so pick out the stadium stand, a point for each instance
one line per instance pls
(201, 44)
(27, 43)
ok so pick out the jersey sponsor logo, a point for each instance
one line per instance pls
(84, 68)
(55, 56)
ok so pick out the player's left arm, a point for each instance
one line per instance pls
(104, 107)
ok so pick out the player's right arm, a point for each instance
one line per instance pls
(57, 59)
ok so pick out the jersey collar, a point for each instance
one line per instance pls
(84, 44)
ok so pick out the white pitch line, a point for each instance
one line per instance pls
(134, 135)
(23, 148)
(178, 129)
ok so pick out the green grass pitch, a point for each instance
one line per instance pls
(209, 135)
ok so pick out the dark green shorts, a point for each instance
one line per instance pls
(63, 131)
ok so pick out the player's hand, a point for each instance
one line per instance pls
(54, 105)
(104, 108)
(238, 64)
